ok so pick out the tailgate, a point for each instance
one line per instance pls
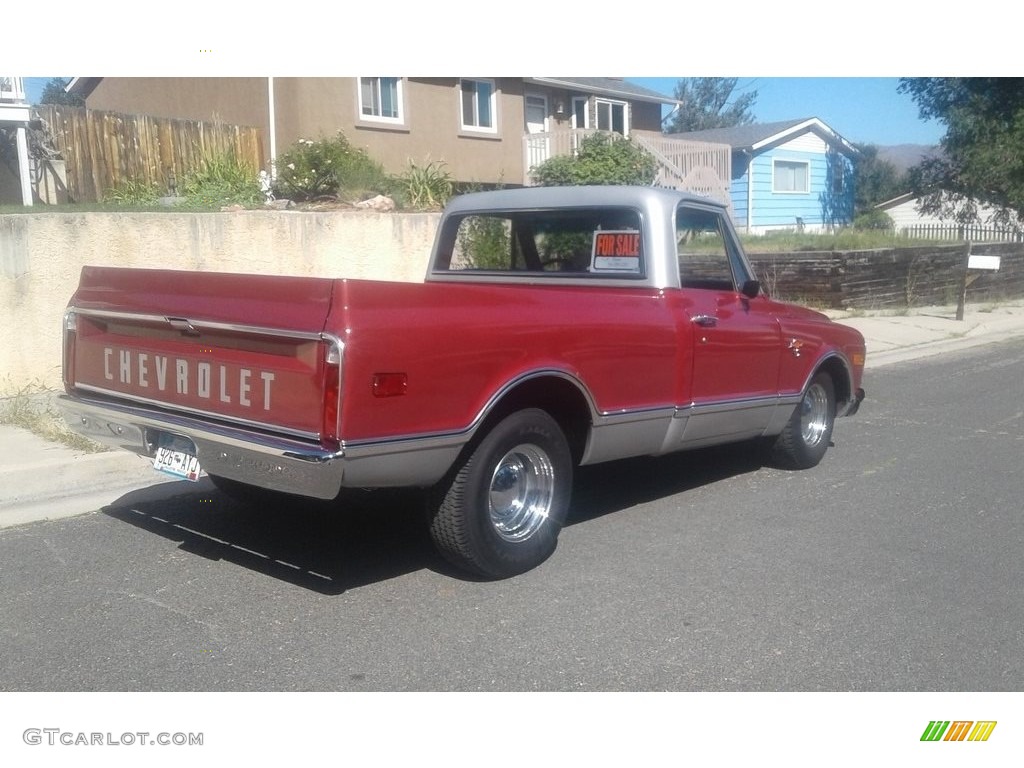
(243, 349)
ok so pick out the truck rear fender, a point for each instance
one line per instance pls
(557, 393)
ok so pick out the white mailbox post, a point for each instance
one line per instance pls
(977, 264)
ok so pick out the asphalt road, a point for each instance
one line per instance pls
(893, 566)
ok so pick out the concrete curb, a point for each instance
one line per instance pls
(40, 480)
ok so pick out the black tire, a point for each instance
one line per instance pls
(501, 509)
(808, 433)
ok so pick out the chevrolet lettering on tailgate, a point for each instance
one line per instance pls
(556, 328)
(136, 371)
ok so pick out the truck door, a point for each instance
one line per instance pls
(736, 337)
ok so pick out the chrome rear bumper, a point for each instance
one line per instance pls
(278, 463)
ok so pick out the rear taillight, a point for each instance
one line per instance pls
(331, 430)
(70, 335)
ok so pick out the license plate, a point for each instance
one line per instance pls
(176, 457)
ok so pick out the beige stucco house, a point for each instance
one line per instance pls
(485, 129)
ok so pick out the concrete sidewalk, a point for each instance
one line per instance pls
(925, 331)
(41, 480)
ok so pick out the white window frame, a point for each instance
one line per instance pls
(583, 101)
(540, 100)
(492, 106)
(776, 162)
(612, 103)
(373, 117)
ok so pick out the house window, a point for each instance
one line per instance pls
(479, 105)
(791, 176)
(612, 116)
(838, 177)
(380, 99)
(580, 119)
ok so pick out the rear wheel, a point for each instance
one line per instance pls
(501, 511)
(808, 433)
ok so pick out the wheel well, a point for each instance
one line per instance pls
(835, 368)
(559, 397)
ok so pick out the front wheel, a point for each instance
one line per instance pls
(501, 511)
(808, 433)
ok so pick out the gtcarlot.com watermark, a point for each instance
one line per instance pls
(54, 737)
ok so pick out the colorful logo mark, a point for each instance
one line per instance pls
(958, 730)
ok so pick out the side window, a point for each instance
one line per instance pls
(703, 251)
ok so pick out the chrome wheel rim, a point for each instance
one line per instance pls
(521, 492)
(814, 415)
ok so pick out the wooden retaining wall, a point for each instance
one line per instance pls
(889, 278)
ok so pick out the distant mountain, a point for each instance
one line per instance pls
(906, 156)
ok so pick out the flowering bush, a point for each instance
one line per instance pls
(327, 168)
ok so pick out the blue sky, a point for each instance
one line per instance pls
(865, 110)
(34, 87)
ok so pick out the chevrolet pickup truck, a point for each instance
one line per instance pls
(556, 327)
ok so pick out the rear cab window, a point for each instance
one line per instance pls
(586, 243)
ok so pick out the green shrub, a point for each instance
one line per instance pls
(133, 192)
(221, 180)
(874, 219)
(426, 187)
(328, 168)
(602, 158)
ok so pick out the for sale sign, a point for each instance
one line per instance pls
(616, 251)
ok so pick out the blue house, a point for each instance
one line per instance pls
(796, 174)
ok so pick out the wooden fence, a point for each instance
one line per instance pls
(104, 150)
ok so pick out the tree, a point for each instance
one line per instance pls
(601, 159)
(54, 93)
(878, 180)
(982, 158)
(710, 102)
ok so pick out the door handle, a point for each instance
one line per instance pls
(705, 321)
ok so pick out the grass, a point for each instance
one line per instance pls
(109, 207)
(841, 240)
(32, 408)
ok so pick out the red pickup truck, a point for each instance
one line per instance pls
(555, 328)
